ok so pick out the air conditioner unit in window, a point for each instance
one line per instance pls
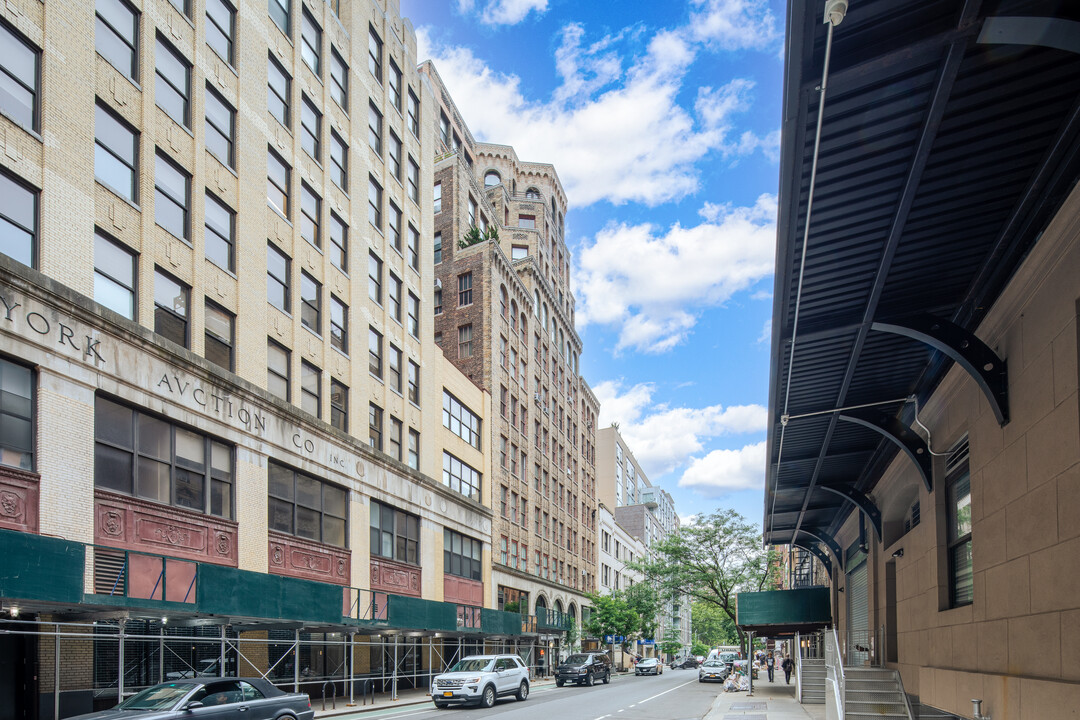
(546, 411)
(438, 283)
(536, 397)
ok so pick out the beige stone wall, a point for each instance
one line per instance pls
(1016, 645)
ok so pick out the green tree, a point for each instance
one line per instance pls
(612, 615)
(712, 560)
(699, 648)
(644, 600)
(711, 625)
(671, 644)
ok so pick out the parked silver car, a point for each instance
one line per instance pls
(480, 679)
(250, 698)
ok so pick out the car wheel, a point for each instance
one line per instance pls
(607, 677)
(701, 680)
(589, 680)
(523, 691)
(488, 698)
(558, 683)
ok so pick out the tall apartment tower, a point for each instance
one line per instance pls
(504, 315)
(221, 390)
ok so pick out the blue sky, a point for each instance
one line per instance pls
(662, 120)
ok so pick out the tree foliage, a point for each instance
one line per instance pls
(711, 625)
(645, 601)
(671, 644)
(612, 615)
(712, 560)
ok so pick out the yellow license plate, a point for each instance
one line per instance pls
(448, 694)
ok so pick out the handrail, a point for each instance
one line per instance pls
(834, 667)
(798, 668)
(903, 692)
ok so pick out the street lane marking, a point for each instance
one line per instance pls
(642, 702)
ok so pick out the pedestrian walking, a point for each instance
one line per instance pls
(787, 666)
(770, 663)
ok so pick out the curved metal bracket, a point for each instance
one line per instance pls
(816, 552)
(903, 436)
(826, 540)
(971, 353)
(869, 509)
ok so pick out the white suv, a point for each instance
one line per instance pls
(480, 679)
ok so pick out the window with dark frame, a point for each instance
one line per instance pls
(171, 307)
(414, 316)
(414, 181)
(114, 274)
(395, 534)
(339, 161)
(958, 484)
(462, 555)
(310, 128)
(395, 296)
(277, 278)
(375, 129)
(339, 405)
(394, 82)
(465, 341)
(17, 415)
(172, 197)
(218, 335)
(375, 278)
(116, 153)
(436, 196)
(393, 362)
(374, 202)
(307, 507)
(219, 239)
(310, 303)
(413, 116)
(116, 35)
(339, 242)
(278, 173)
(172, 84)
(460, 420)
(394, 440)
(375, 431)
(310, 388)
(184, 6)
(375, 54)
(278, 90)
(281, 14)
(139, 454)
(437, 248)
(413, 380)
(394, 154)
(339, 324)
(465, 289)
(375, 352)
(311, 42)
(221, 28)
(413, 457)
(310, 212)
(393, 225)
(220, 127)
(278, 370)
(437, 302)
(20, 73)
(414, 248)
(339, 80)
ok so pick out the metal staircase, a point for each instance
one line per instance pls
(812, 679)
(874, 693)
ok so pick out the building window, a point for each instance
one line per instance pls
(220, 228)
(393, 225)
(277, 370)
(465, 341)
(375, 128)
(394, 155)
(305, 506)
(527, 221)
(414, 383)
(472, 211)
(116, 36)
(460, 477)
(492, 178)
(218, 337)
(183, 6)
(374, 203)
(374, 54)
(437, 304)
(414, 316)
(339, 325)
(339, 161)
(414, 248)
(116, 153)
(172, 197)
(414, 181)
(221, 28)
(310, 212)
(413, 119)
(339, 80)
(278, 89)
(277, 278)
(413, 458)
(394, 363)
(149, 457)
(220, 127)
(375, 278)
(339, 242)
(19, 75)
(437, 246)
(277, 182)
(395, 297)
(395, 438)
(310, 388)
(339, 406)
(519, 252)
(375, 426)
(436, 195)
(462, 555)
(16, 416)
(395, 534)
(394, 90)
(114, 275)
(279, 13)
(311, 43)
(464, 285)
(310, 128)
(460, 420)
(171, 308)
(375, 353)
(172, 86)
(958, 482)
(310, 303)
(444, 130)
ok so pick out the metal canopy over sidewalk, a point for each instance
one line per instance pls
(950, 136)
(777, 613)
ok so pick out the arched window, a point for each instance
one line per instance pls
(532, 194)
(573, 611)
(525, 328)
(545, 317)
(541, 602)
(554, 209)
(492, 178)
(502, 300)
(558, 606)
(513, 314)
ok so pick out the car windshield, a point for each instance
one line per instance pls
(714, 663)
(577, 659)
(648, 661)
(159, 697)
(472, 665)
(728, 657)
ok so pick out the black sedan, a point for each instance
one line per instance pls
(688, 664)
(247, 698)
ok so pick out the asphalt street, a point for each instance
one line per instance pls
(675, 695)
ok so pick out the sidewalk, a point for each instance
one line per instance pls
(771, 701)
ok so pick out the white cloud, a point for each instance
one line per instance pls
(614, 127)
(662, 437)
(722, 471)
(766, 332)
(651, 284)
(501, 12)
(735, 24)
(685, 520)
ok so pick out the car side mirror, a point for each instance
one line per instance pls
(193, 705)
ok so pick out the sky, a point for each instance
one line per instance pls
(662, 120)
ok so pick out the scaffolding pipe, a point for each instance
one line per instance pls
(296, 662)
(393, 677)
(56, 674)
(352, 669)
(161, 654)
(221, 655)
